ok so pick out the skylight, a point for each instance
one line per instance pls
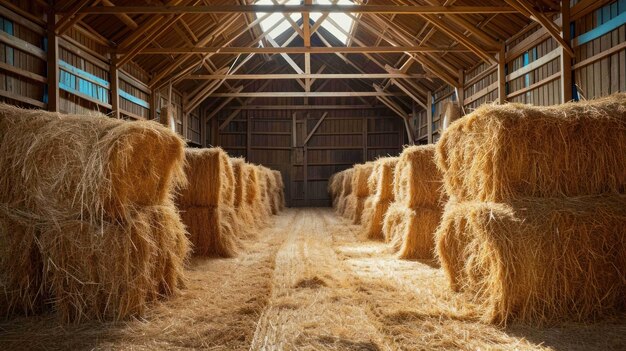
(341, 19)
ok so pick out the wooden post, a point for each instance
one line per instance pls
(365, 139)
(305, 163)
(502, 75)
(566, 59)
(460, 90)
(184, 116)
(248, 135)
(53, 64)
(115, 87)
(429, 117)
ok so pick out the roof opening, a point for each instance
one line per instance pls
(275, 20)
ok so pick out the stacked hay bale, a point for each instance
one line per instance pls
(534, 230)
(279, 192)
(346, 190)
(267, 184)
(254, 195)
(88, 228)
(335, 183)
(207, 204)
(380, 185)
(411, 220)
(360, 192)
(241, 205)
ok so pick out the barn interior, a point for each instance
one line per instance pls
(313, 174)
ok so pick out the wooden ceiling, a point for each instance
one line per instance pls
(397, 49)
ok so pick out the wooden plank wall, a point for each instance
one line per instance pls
(533, 65)
(275, 138)
(84, 72)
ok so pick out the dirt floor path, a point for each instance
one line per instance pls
(309, 282)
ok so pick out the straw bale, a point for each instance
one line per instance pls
(211, 231)
(361, 189)
(254, 195)
(266, 184)
(410, 231)
(417, 180)
(58, 165)
(537, 260)
(210, 177)
(500, 152)
(86, 271)
(335, 187)
(280, 190)
(380, 184)
(241, 205)
(346, 190)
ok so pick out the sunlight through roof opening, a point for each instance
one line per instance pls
(337, 24)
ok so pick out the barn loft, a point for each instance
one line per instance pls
(313, 174)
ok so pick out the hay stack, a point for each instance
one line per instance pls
(411, 220)
(498, 153)
(538, 260)
(280, 190)
(207, 203)
(267, 184)
(346, 191)
(254, 195)
(536, 229)
(360, 191)
(335, 187)
(242, 207)
(87, 226)
(380, 185)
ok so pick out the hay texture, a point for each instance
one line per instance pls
(380, 184)
(361, 191)
(279, 193)
(335, 187)
(538, 260)
(207, 204)
(242, 207)
(346, 190)
(267, 184)
(254, 198)
(411, 220)
(87, 226)
(500, 152)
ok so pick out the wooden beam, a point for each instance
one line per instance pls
(566, 60)
(528, 10)
(223, 103)
(66, 21)
(307, 94)
(429, 118)
(304, 107)
(308, 137)
(229, 119)
(382, 9)
(53, 64)
(409, 131)
(220, 50)
(315, 76)
(502, 75)
(114, 88)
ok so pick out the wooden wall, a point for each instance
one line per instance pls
(276, 139)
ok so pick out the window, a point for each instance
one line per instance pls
(343, 21)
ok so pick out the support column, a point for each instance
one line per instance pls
(429, 117)
(53, 64)
(460, 90)
(115, 87)
(502, 75)
(566, 60)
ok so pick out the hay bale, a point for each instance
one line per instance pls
(537, 260)
(211, 179)
(410, 231)
(346, 191)
(211, 230)
(280, 190)
(254, 195)
(335, 187)
(380, 185)
(500, 152)
(417, 180)
(55, 165)
(266, 182)
(87, 227)
(241, 204)
(361, 189)
(207, 204)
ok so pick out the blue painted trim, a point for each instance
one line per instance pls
(601, 30)
(83, 74)
(135, 100)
